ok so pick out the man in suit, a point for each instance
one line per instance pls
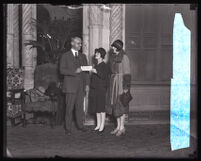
(75, 85)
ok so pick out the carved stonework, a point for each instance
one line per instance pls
(26, 29)
(10, 35)
(116, 23)
(26, 18)
(29, 54)
(34, 35)
(106, 32)
(16, 35)
(85, 43)
(94, 29)
(94, 15)
(28, 78)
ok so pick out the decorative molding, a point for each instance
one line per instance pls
(150, 83)
(150, 97)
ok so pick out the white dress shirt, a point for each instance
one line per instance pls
(74, 51)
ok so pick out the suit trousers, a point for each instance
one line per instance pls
(74, 100)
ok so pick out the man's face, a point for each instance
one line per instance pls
(76, 44)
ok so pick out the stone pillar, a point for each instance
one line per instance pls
(105, 31)
(85, 43)
(94, 29)
(28, 54)
(16, 35)
(13, 35)
(116, 22)
(34, 34)
(10, 35)
(123, 24)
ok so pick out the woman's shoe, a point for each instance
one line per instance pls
(121, 132)
(101, 131)
(114, 131)
(96, 129)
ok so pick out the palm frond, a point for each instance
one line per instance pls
(34, 44)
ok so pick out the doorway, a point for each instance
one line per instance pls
(56, 24)
(60, 23)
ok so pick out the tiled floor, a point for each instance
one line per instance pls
(139, 141)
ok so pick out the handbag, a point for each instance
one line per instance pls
(125, 98)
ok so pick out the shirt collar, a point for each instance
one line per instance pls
(73, 51)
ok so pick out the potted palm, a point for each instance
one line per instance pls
(52, 36)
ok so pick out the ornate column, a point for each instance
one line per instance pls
(16, 35)
(10, 34)
(117, 20)
(117, 23)
(34, 34)
(94, 29)
(28, 54)
(85, 43)
(105, 31)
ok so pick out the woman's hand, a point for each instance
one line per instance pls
(125, 90)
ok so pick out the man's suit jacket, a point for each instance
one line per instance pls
(72, 80)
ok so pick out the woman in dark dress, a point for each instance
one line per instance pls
(98, 87)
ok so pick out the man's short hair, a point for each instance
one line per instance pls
(75, 37)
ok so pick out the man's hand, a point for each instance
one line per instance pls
(78, 70)
(93, 70)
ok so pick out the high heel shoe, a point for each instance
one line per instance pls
(100, 132)
(114, 131)
(121, 132)
(96, 129)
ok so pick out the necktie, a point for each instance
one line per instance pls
(77, 59)
(76, 54)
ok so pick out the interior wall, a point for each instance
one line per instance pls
(149, 45)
